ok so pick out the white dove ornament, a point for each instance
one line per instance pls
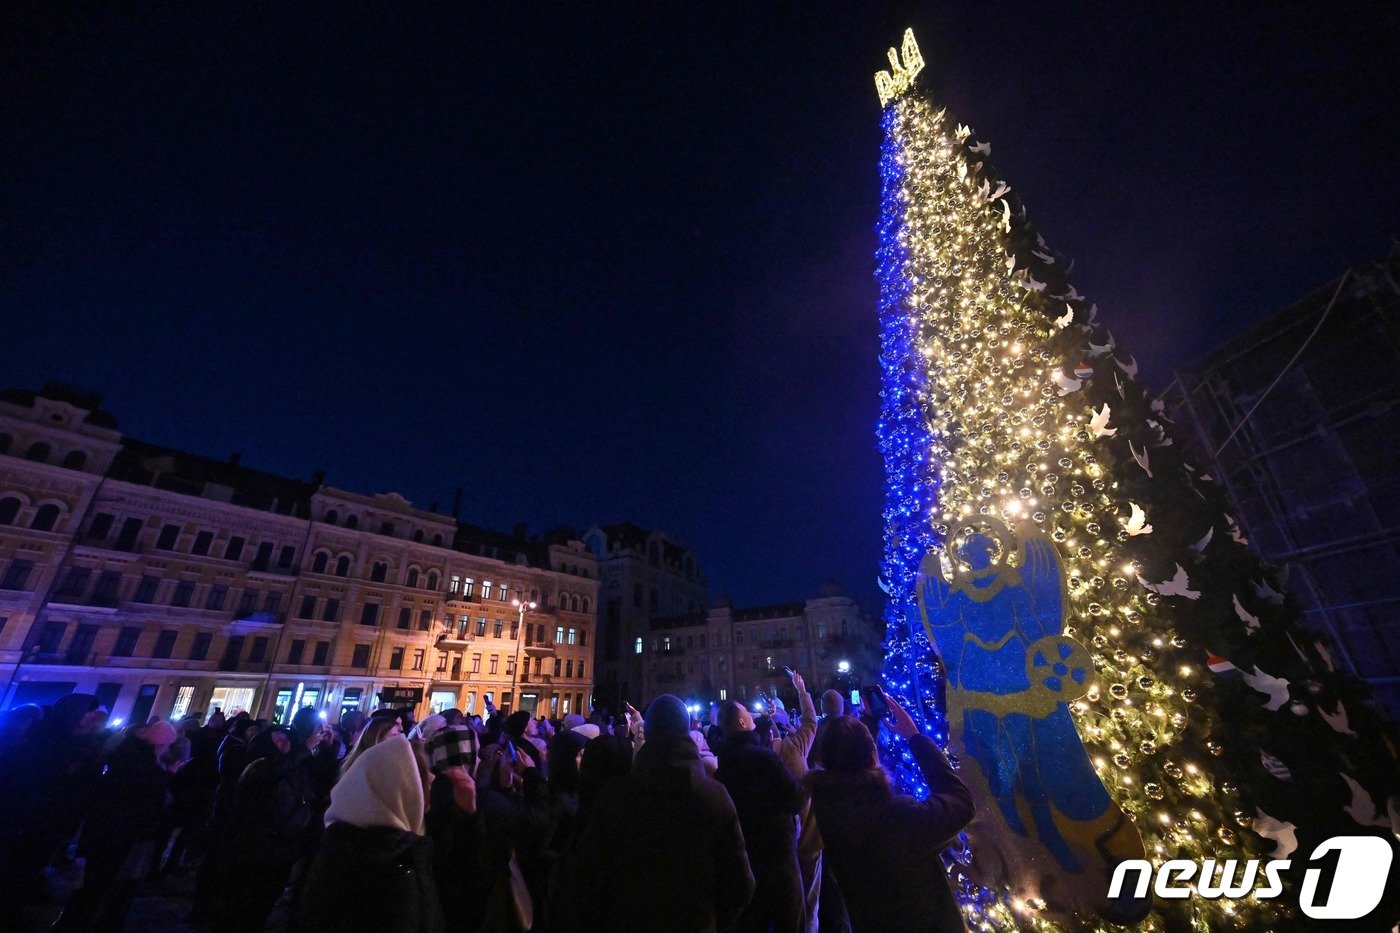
(1065, 319)
(1066, 383)
(1137, 521)
(1281, 832)
(1250, 622)
(1362, 808)
(1141, 459)
(1098, 424)
(1275, 688)
(1178, 585)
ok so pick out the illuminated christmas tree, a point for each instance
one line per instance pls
(1071, 604)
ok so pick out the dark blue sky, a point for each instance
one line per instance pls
(605, 265)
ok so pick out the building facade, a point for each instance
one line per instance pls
(166, 582)
(645, 575)
(733, 654)
(1300, 419)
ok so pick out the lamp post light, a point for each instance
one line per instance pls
(843, 667)
(521, 606)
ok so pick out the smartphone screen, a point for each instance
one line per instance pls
(874, 698)
(855, 697)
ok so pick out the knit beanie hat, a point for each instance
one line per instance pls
(516, 723)
(425, 729)
(667, 715)
(573, 721)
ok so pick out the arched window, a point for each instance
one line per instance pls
(379, 572)
(655, 600)
(5, 442)
(332, 517)
(45, 518)
(437, 540)
(432, 580)
(318, 563)
(39, 452)
(585, 604)
(342, 566)
(75, 460)
(352, 521)
(9, 508)
(573, 604)
(413, 575)
(418, 535)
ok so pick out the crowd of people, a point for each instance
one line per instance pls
(655, 821)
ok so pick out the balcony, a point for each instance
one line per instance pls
(463, 598)
(528, 678)
(448, 640)
(540, 648)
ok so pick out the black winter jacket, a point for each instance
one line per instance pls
(885, 850)
(663, 849)
(377, 879)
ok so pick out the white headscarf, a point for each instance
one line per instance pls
(382, 788)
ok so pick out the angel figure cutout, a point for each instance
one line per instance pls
(993, 604)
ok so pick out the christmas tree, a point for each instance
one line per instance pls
(1072, 605)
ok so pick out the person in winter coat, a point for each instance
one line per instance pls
(663, 849)
(120, 830)
(768, 799)
(273, 806)
(794, 749)
(47, 780)
(885, 849)
(233, 758)
(453, 823)
(374, 868)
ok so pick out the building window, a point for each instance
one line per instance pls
(323, 650)
(272, 602)
(287, 557)
(169, 535)
(352, 521)
(379, 572)
(396, 659)
(369, 614)
(296, 651)
(331, 611)
(481, 626)
(39, 452)
(107, 584)
(573, 636)
(263, 559)
(247, 603)
(199, 651)
(485, 589)
(217, 595)
(425, 620)
(501, 593)
(655, 600)
(637, 645)
(319, 562)
(432, 580)
(495, 659)
(583, 637)
(259, 651)
(101, 526)
(476, 664)
(723, 693)
(332, 517)
(418, 535)
(636, 595)
(437, 540)
(9, 509)
(45, 518)
(405, 617)
(557, 664)
(386, 528)
(510, 666)
(126, 642)
(184, 592)
(234, 549)
(342, 566)
(580, 667)
(308, 608)
(455, 584)
(165, 644)
(418, 657)
(360, 658)
(586, 604)
(569, 668)
(75, 583)
(202, 541)
(498, 627)
(559, 635)
(413, 577)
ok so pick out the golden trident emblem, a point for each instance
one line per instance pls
(900, 77)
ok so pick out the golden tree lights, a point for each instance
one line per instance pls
(1007, 439)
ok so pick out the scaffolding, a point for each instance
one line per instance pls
(1299, 418)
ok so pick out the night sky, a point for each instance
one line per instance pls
(614, 262)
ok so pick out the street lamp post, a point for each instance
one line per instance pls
(520, 607)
